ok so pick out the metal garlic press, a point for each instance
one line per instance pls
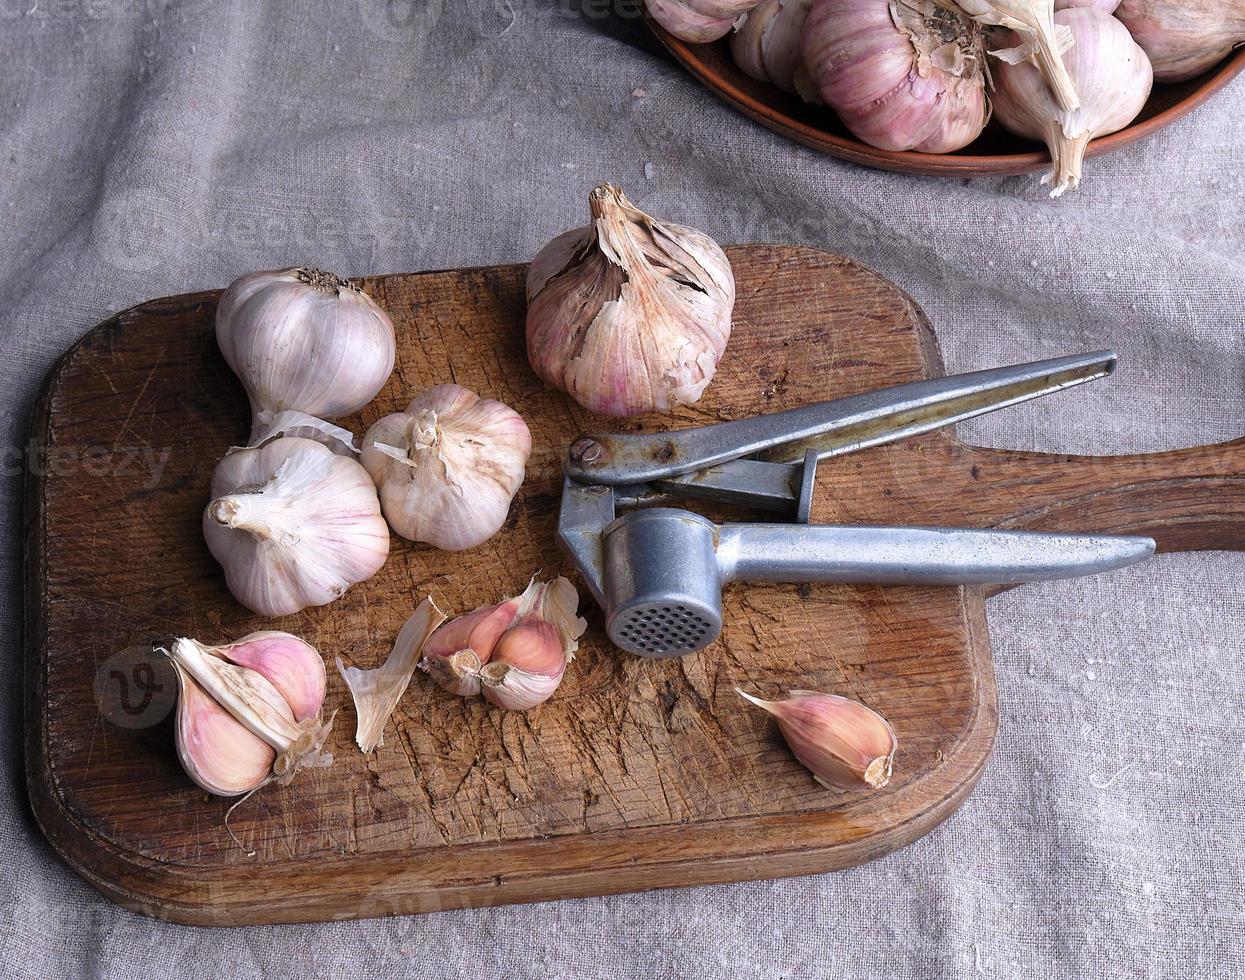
(658, 571)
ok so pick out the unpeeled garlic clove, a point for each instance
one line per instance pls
(629, 314)
(293, 525)
(293, 666)
(455, 653)
(526, 667)
(844, 744)
(767, 45)
(235, 729)
(698, 21)
(216, 750)
(306, 340)
(448, 467)
(518, 666)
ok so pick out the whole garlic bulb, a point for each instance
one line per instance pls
(628, 314)
(293, 525)
(1040, 40)
(698, 21)
(1184, 38)
(902, 74)
(304, 340)
(448, 467)
(767, 45)
(248, 712)
(514, 652)
(1113, 76)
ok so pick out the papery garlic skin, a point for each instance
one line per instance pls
(1113, 76)
(629, 314)
(448, 467)
(235, 729)
(305, 340)
(1184, 38)
(514, 652)
(698, 21)
(902, 74)
(293, 525)
(768, 44)
(844, 744)
(1040, 41)
(1106, 6)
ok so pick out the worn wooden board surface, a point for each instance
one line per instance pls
(638, 773)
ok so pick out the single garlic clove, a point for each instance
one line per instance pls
(376, 692)
(698, 21)
(448, 467)
(527, 666)
(293, 666)
(454, 654)
(293, 525)
(306, 340)
(844, 744)
(630, 314)
(218, 752)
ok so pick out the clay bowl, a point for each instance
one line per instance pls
(996, 152)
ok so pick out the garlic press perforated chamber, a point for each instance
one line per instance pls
(658, 571)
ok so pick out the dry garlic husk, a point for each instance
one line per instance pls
(293, 525)
(249, 712)
(628, 314)
(448, 467)
(767, 45)
(902, 75)
(698, 21)
(1040, 41)
(304, 340)
(1113, 76)
(844, 744)
(514, 652)
(1184, 38)
(1106, 6)
(376, 692)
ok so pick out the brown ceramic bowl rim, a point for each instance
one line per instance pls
(933, 164)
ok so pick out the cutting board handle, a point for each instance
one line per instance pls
(1186, 499)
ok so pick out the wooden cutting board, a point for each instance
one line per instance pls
(638, 774)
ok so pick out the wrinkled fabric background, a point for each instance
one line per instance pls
(151, 147)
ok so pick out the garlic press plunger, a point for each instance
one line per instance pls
(658, 571)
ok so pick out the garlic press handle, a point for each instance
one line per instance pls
(829, 428)
(917, 555)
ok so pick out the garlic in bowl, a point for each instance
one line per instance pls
(996, 151)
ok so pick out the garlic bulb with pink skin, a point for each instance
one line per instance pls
(844, 744)
(901, 74)
(1184, 38)
(768, 44)
(698, 21)
(248, 712)
(628, 314)
(293, 525)
(448, 466)
(513, 652)
(1113, 76)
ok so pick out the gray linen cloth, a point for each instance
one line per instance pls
(151, 147)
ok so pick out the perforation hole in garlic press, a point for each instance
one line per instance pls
(661, 629)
